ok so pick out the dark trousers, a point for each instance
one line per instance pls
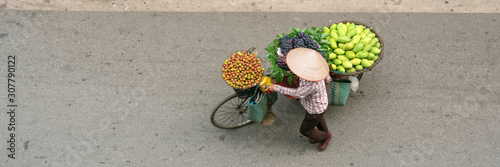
(312, 121)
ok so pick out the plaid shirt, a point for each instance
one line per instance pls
(312, 95)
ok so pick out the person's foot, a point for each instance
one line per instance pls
(322, 145)
(312, 141)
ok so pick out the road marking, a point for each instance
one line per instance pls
(359, 6)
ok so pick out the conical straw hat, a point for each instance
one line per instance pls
(307, 64)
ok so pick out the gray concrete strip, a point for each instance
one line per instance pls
(359, 6)
(137, 89)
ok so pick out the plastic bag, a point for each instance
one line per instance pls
(354, 83)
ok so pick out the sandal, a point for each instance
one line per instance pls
(322, 145)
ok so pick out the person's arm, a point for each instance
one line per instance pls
(300, 92)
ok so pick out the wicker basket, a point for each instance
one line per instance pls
(380, 56)
(338, 92)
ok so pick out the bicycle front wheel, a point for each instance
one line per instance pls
(230, 113)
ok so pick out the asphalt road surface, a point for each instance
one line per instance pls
(137, 89)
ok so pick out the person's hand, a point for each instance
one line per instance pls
(270, 88)
(328, 80)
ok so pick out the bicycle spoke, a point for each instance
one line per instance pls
(232, 101)
(226, 114)
(223, 116)
(230, 108)
(231, 121)
(235, 102)
(238, 120)
(235, 119)
(227, 118)
(222, 121)
(241, 119)
(232, 105)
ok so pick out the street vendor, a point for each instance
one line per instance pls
(313, 71)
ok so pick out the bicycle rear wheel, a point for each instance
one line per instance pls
(230, 113)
